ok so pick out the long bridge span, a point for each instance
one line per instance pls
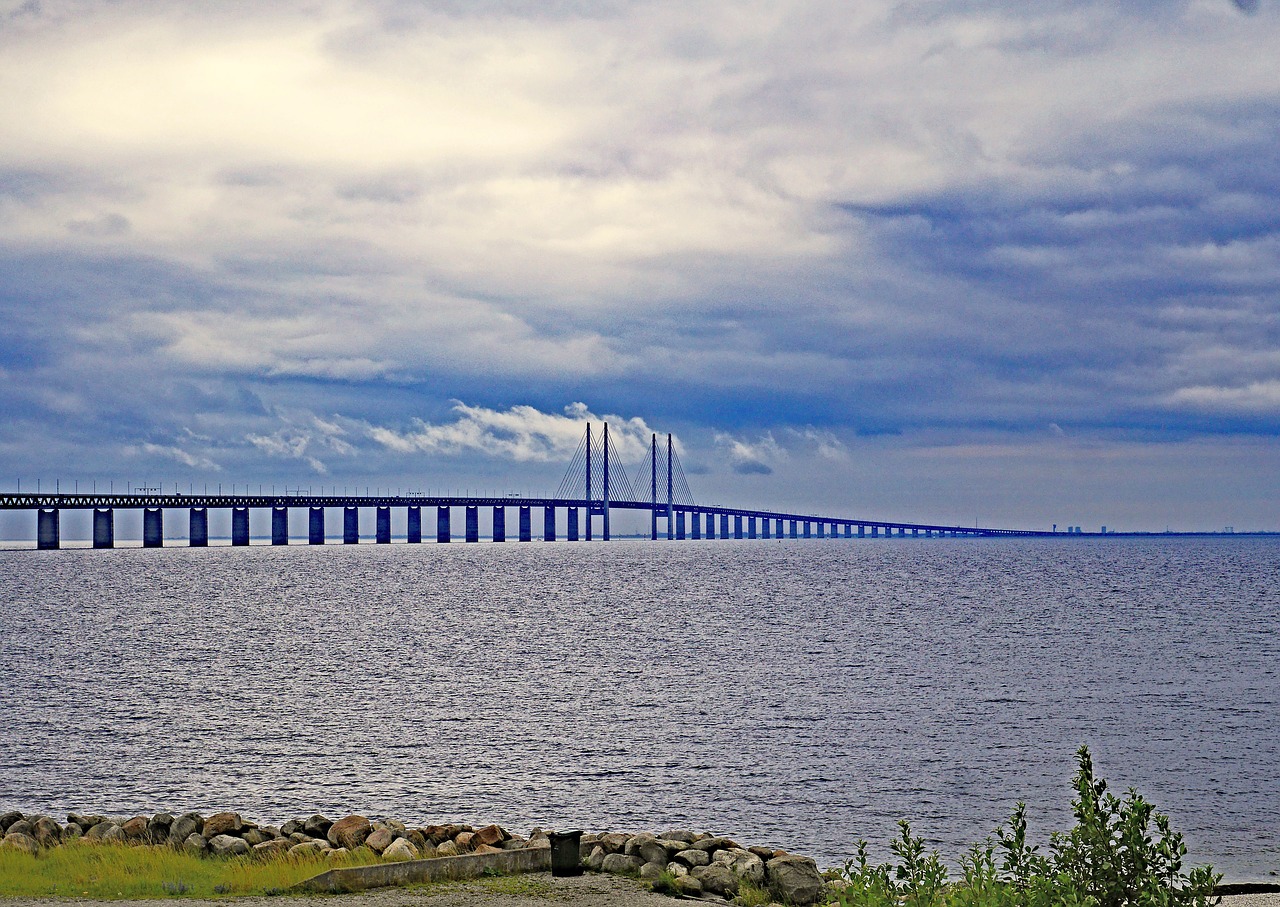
(594, 485)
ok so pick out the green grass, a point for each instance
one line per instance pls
(118, 871)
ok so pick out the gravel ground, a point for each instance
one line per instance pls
(533, 890)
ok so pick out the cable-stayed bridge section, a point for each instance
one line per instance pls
(594, 484)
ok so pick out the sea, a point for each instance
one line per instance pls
(803, 694)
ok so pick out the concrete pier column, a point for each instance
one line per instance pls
(571, 529)
(279, 525)
(414, 529)
(239, 526)
(350, 525)
(526, 525)
(862, 531)
(848, 530)
(752, 530)
(737, 525)
(808, 529)
(473, 524)
(764, 527)
(711, 525)
(695, 525)
(443, 527)
(48, 536)
(549, 523)
(104, 528)
(315, 526)
(821, 529)
(152, 527)
(795, 532)
(915, 533)
(382, 528)
(875, 531)
(724, 525)
(680, 525)
(198, 528)
(500, 524)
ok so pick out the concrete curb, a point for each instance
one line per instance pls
(438, 869)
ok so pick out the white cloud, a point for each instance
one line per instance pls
(748, 457)
(184, 457)
(304, 436)
(1261, 397)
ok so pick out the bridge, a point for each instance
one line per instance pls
(594, 485)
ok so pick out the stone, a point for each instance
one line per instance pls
(135, 829)
(677, 869)
(84, 820)
(195, 843)
(349, 832)
(8, 819)
(794, 880)
(447, 849)
(71, 831)
(47, 832)
(300, 837)
(400, 850)
(158, 827)
(614, 842)
(689, 886)
(317, 826)
(493, 835)
(291, 827)
(621, 864)
(764, 853)
(306, 849)
(184, 827)
(271, 848)
(693, 857)
(710, 844)
(253, 836)
(682, 835)
(20, 841)
(652, 852)
(717, 879)
(672, 846)
(222, 824)
(99, 830)
(483, 848)
(464, 840)
(594, 860)
(746, 866)
(336, 855)
(379, 839)
(635, 842)
(270, 831)
(115, 835)
(227, 845)
(22, 827)
(651, 872)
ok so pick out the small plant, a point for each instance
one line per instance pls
(750, 895)
(666, 884)
(921, 878)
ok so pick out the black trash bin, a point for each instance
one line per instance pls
(566, 853)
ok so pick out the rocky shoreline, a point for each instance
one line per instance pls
(693, 864)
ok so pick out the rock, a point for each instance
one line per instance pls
(688, 886)
(47, 833)
(400, 850)
(379, 839)
(464, 840)
(493, 835)
(227, 845)
(271, 848)
(447, 849)
(22, 827)
(270, 831)
(290, 827)
(677, 869)
(651, 872)
(349, 832)
(135, 829)
(635, 842)
(692, 857)
(764, 853)
(711, 844)
(317, 826)
(417, 839)
(300, 837)
(184, 827)
(99, 830)
(18, 840)
(222, 824)
(71, 831)
(336, 855)
(85, 821)
(594, 860)
(483, 848)
(307, 849)
(672, 846)
(682, 835)
(195, 843)
(614, 842)
(717, 879)
(794, 880)
(436, 833)
(8, 819)
(652, 852)
(158, 827)
(621, 864)
(253, 836)
(746, 866)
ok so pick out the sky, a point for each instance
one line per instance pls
(972, 262)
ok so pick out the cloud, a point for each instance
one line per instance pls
(825, 443)
(751, 457)
(304, 436)
(182, 456)
(1246, 6)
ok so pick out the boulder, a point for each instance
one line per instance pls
(693, 857)
(227, 845)
(689, 886)
(307, 849)
(717, 879)
(271, 848)
(764, 853)
(621, 864)
(271, 832)
(483, 848)
(794, 880)
(195, 843)
(184, 827)
(379, 839)
(614, 842)
(416, 838)
(711, 844)
(99, 831)
(682, 835)
(135, 829)
(71, 831)
(746, 866)
(291, 827)
(158, 827)
(349, 832)
(317, 826)
(447, 849)
(253, 836)
(22, 827)
(85, 820)
(300, 837)
(493, 835)
(652, 852)
(222, 824)
(400, 850)
(635, 842)
(677, 869)
(651, 872)
(47, 833)
(8, 819)
(594, 860)
(336, 855)
(464, 840)
(17, 840)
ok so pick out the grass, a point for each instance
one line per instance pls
(109, 871)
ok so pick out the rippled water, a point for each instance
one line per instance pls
(804, 694)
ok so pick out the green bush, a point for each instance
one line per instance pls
(1121, 853)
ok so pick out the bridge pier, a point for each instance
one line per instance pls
(526, 524)
(571, 528)
(350, 525)
(473, 523)
(549, 523)
(104, 528)
(414, 529)
(382, 527)
(239, 526)
(443, 527)
(862, 531)
(695, 525)
(500, 524)
(737, 525)
(198, 527)
(279, 525)
(808, 529)
(315, 525)
(680, 525)
(765, 525)
(751, 527)
(48, 534)
(152, 527)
